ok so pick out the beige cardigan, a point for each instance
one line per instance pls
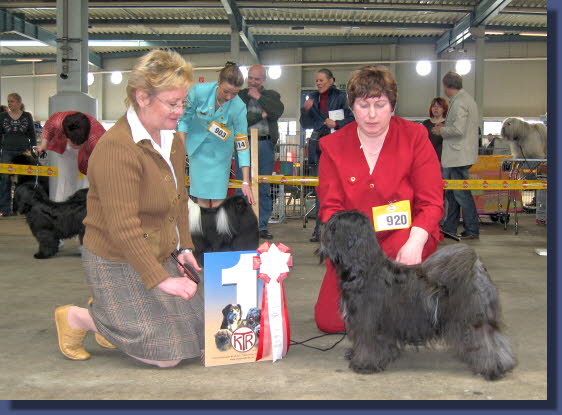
(133, 204)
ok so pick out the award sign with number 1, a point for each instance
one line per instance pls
(233, 297)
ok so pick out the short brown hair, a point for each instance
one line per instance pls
(442, 102)
(372, 81)
(76, 127)
(452, 80)
(158, 70)
(231, 74)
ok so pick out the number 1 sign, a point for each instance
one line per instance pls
(233, 297)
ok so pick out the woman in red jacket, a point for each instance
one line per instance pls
(377, 164)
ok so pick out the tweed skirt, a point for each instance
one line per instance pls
(149, 324)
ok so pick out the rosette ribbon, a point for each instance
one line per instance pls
(273, 264)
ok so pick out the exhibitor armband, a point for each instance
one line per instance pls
(241, 142)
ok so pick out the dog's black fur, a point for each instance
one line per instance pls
(28, 159)
(387, 305)
(51, 221)
(232, 226)
(252, 321)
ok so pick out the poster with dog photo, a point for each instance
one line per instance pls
(233, 296)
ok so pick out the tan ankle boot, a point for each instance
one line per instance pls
(102, 341)
(71, 341)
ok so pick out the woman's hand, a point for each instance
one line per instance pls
(330, 123)
(182, 287)
(411, 251)
(247, 191)
(308, 104)
(190, 259)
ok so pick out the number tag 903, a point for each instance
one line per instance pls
(393, 216)
(218, 131)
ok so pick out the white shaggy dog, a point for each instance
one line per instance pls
(527, 141)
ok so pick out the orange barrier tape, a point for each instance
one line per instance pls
(8, 168)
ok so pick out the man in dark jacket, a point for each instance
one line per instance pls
(264, 109)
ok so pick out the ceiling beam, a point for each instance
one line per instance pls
(482, 14)
(238, 24)
(11, 23)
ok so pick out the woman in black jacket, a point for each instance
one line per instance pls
(325, 111)
(17, 134)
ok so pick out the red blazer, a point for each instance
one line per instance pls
(407, 169)
(54, 134)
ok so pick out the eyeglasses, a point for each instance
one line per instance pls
(174, 107)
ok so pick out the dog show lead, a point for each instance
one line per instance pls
(385, 167)
(137, 216)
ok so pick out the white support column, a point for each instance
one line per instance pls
(479, 35)
(234, 46)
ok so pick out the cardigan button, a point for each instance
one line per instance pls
(145, 235)
(167, 178)
(371, 185)
(352, 179)
(171, 219)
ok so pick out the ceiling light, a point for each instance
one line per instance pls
(29, 60)
(494, 32)
(274, 72)
(32, 43)
(423, 68)
(116, 77)
(533, 34)
(244, 70)
(463, 66)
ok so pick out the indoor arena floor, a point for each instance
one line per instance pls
(33, 368)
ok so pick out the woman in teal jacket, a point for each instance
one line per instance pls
(214, 124)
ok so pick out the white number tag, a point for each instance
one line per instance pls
(393, 216)
(241, 142)
(218, 131)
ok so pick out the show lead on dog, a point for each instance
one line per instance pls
(73, 135)
(17, 135)
(136, 218)
(264, 108)
(385, 167)
(460, 151)
(325, 111)
(213, 125)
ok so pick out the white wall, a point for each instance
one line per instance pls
(513, 88)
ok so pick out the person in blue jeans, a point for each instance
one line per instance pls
(460, 151)
(264, 108)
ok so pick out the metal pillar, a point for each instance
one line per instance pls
(72, 82)
(479, 35)
(235, 46)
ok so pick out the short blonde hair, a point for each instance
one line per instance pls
(158, 70)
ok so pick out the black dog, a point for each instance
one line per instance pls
(387, 305)
(51, 221)
(232, 226)
(28, 159)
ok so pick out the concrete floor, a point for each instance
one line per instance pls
(33, 368)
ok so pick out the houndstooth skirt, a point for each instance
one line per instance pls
(149, 324)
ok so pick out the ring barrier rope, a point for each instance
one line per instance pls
(7, 168)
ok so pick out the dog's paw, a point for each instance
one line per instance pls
(364, 369)
(348, 354)
(41, 255)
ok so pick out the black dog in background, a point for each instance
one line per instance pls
(51, 221)
(232, 226)
(28, 159)
(387, 305)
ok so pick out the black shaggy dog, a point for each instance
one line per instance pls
(232, 226)
(51, 221)
(387, 305)
(28, 159)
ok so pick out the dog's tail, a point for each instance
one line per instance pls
(450, 266)
(194, 216)
(223, 223)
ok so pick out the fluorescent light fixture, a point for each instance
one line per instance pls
(244, 70)
(274, 71)
(90, 78)
(423, 68)
(533, 34)
(116, 43)
(29, 60)
(30, 43)
(463, 66)
(494, 32)
(116, 77)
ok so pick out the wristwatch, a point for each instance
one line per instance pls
(186, 250)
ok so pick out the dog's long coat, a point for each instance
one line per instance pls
(387, 305)
(51, 221)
